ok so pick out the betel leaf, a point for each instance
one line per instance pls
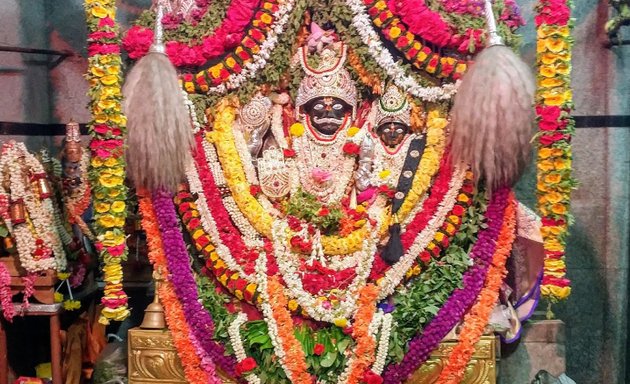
(343, 345)
(328, 359)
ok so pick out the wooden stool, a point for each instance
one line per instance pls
(50, 310)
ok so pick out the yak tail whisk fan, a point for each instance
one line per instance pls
(492, 119)
(159, 128)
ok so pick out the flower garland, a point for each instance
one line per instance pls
(173, 310)
(274, 307)
(361, 21)
(420, 347)
(6, 296)
(429, 163)
(421, 56)
(31, 230)
(239, 351)
(249, 57)
(366, 345)
(236, 180)
(476, 319)
(394, 275)
(554, 104)
(138, 39)
(107, 173)
(181, 276)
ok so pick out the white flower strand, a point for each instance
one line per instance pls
(259, 60)
(237, 345)
(361, 21)
(243, 153)
(272, 326)
(191, 110)
(394, 276)
(383, 344)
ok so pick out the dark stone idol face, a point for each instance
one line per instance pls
(392, 133)
(326, 114)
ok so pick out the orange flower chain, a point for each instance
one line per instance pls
(107, 172)
(476, 320)
(554, 104)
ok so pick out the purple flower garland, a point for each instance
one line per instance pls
(181, 276)
(460, 301)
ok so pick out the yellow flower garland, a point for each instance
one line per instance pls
(107, 165)
(554, 182)
(236, 180)
(429, 164)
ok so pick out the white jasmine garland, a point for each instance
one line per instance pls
(191, 110)
(24, 234)
(362, 23)
(237, 344)
(383, 344)
(394, 275)
(272, 326)
(243, 154)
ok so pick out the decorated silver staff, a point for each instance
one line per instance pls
(159, 128)
(492, 119)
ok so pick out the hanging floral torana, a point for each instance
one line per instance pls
(264, 270)
(107, 171)
(554, 103)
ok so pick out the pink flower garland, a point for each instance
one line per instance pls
(6, 298)
(227, 36)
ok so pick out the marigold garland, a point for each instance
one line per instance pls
(554, 104)
(420, 55)
(107, 173)
(366, 344)
(476, 319)
(172, 307)
(294, 357)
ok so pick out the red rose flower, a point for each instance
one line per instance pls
(458, 210)
(351, 148)
(372, 378)
(288, 152)
(551, 113)
(246, 365)
(425, 257)
(254, 190)
(324, 211)
(319, 349)
(549, 139)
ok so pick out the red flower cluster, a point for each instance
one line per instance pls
(246, 365)
(555, 12)
(372, 378)
(351, 148)
(319, 349)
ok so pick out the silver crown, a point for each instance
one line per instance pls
(329, 79)
(393, 106)
(256, 113)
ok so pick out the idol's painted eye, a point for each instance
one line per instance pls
(399, 130)
(387, 130)
(337, 107)
(318, 107)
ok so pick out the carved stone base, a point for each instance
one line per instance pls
(153, 359)
(482, 368)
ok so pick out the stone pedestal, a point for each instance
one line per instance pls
(542, 346)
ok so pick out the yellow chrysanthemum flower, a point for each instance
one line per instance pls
(118, 206)
(296, 129)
